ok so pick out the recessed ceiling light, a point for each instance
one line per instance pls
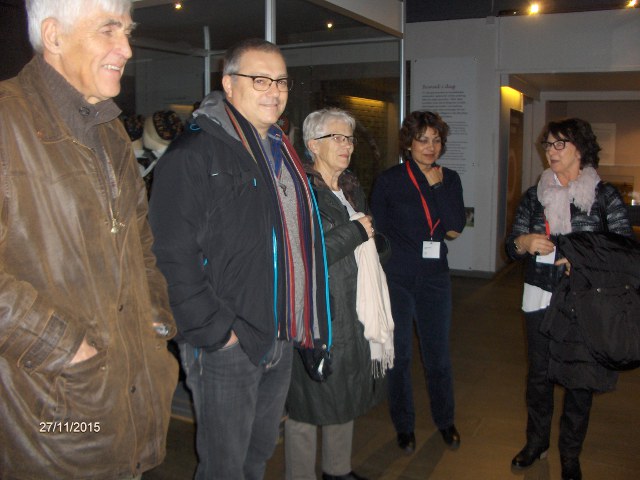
(534, 9)
(177, 5)
(329, 24)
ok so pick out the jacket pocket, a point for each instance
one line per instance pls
(227, 187)
(80, 392)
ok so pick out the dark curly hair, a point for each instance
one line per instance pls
(415, 124)
(579, 133)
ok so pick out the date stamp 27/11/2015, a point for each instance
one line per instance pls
(69, 427)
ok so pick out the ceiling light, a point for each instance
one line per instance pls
(329, 25)
(534, 9)
(177, 5)
(632, 3)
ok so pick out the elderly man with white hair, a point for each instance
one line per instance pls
(86, 380)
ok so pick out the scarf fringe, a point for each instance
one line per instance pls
(374, 306)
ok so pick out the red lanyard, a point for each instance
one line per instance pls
(547, 230)
(425, 207)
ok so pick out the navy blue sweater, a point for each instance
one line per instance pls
(399, 215)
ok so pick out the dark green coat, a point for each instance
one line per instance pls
(351, 389)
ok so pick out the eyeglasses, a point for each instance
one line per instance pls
(262, 84)
(340, 139)
(558, 145)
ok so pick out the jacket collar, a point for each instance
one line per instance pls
(65, 114)
(212, 107)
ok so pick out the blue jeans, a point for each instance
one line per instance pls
(238, 408)
(425, 299)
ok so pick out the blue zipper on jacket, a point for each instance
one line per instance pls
(326, 268)
(275, 287)
(275, 280)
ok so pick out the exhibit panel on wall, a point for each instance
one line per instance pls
(448, 86)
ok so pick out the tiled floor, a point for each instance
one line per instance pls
(489, 365)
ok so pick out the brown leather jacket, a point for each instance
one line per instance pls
(65, 276)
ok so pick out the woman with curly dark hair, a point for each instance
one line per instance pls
(568, 198)
(418, 204)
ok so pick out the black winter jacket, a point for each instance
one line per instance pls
(213, 218)
(594, 317)
(530, 219)
(351, 389)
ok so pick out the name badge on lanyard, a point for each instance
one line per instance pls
(430, 248)
(548, 258)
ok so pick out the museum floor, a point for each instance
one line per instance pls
(489, 367)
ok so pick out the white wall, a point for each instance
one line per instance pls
(601, 41)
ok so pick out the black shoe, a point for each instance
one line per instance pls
(349, 476)
(451, 436)
(407, 442)
(570, 468)
(528, 455)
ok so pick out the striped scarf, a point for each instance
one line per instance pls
(304, 329)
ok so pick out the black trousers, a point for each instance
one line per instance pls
(577, 402)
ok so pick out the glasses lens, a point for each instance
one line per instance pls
(339, 138)
(557, 145)
(261, 84)
(284, 84)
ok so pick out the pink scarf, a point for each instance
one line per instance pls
(557, 199)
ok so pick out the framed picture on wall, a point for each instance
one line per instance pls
(606, 136)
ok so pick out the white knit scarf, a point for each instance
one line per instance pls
(557, 199)
(373, 306)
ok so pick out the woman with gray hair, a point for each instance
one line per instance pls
(335, 401)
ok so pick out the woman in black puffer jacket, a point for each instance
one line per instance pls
(569, 198)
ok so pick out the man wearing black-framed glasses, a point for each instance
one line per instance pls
(238, 239)
(262, 84)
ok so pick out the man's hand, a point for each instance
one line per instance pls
(232, 339)
(85, 352)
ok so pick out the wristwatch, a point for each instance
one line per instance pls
(436, 186)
